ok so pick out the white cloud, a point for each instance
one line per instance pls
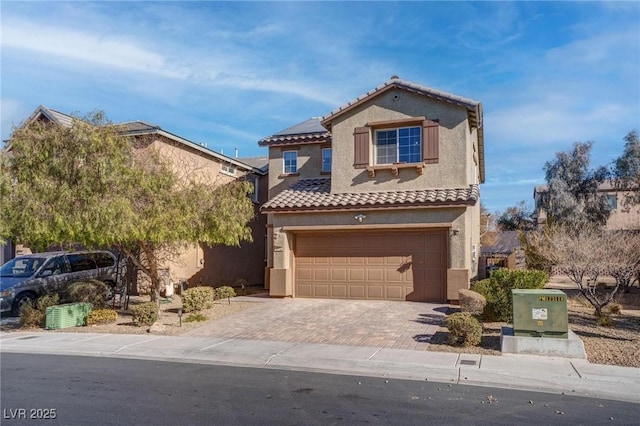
(86, 47)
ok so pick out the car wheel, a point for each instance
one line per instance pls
(111, 291)
(23, 299)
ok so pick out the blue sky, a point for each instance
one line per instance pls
(228, 74)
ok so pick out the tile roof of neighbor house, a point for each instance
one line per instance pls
(261, 163)
(133, 128)
(307, 131)
(507, 242)
(315, 194)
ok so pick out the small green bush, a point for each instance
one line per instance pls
(497, 290)
(471, 301)
(36, 316)
(197, 299)
(92, 291)
(225, 292)
(464, 329)
(102, 316)
(145, 313)
(197, 317)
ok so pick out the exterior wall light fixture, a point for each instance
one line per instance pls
(360, 217)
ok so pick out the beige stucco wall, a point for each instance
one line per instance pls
(624, 216)
(309, 165)
(457, 218)
(451, 170)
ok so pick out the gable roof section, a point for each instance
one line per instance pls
(473, 107)
(507, 242)
(138, 128)
(310, 131)
(315, 194)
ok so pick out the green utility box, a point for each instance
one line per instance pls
(69, 315)
(540, 313)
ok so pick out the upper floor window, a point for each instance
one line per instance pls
(253, 180)
(290, 160)
(326, 160)
(612, 201)
(402, 145)
(228, 169)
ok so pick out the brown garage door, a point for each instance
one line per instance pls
(391, 266)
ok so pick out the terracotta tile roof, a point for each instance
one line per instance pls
(315, 194)
(307, 131)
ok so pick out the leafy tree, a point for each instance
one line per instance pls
(516, 218)
(488, 233)
(626, 169)
(573, 188)
(87, 184)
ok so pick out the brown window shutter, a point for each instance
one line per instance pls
(361, 148)
(430, 141)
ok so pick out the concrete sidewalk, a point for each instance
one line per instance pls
(528, 372)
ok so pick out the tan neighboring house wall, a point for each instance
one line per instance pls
(623, 216)
(435, 199)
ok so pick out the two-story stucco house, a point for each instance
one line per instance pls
(378, 199)
(197, 263)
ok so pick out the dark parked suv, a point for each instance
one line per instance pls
(25, 278)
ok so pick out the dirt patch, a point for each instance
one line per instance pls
(615, 345)
(169, 322)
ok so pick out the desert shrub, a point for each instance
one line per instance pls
(225, 292)
(464, 329)
(145, 313)
(102, 316)
(614, 309)
(36, 316)
(471, 301)
(197, 299)
(196, 317)
(488, 291)
(92, 291)
(605, 320)
(497, 290)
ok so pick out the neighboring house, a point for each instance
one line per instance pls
(197, 263)
(379, 199)
(623, 216)
(504, 252)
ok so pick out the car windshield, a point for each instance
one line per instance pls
(21, 267)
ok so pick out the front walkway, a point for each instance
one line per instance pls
(395, 325)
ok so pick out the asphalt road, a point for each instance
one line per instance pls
(68, 390)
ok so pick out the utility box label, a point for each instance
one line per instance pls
(539, 313)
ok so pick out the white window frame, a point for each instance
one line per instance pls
(228, 169)
(254, 180)
(613, 205)
(294, 169)
(397, 145)
(322, 168)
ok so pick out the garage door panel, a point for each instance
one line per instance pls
(375, 274)
(394, 292)
(305, 290)
(375, 291)
(356, 274)
(339, 291)
(338, 274)
(394, 266)
(357, 291)
(321, 274)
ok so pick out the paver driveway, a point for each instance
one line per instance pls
(397, 325)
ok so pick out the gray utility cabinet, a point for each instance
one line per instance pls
(540, 313)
